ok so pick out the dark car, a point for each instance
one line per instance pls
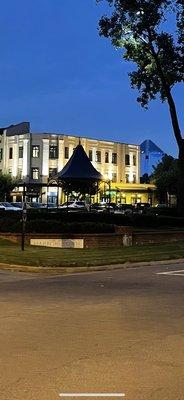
(102, 208)
(126, 209)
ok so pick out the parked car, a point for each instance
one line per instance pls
(51, 205)
(162, 205)
(17, 204)
(102, 208)
(74, 205)
(141, 208)
(126, 209)
(37, 205)
(8, 206)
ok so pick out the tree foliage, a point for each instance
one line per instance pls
(165, 177)
(156, 47)
(7, 184)
(137, 26)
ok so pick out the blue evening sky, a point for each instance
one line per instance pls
(57, 73)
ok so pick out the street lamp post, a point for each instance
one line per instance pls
(24, 217)
(109, 183)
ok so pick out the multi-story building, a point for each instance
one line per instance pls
(35, 158)
(151, 155)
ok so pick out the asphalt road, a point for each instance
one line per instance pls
(119, 331)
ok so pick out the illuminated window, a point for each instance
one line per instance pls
(34, 173)
(90, 155)
(53, 152)
(35, 151)
(134, 160)
(106, 157)
(98, 156)
(127, 159)
(10, 153)
(1, 154)
(66, 152)
(21, 152)
(114, 158)
(127, 178)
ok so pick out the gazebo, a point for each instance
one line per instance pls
(79, 175)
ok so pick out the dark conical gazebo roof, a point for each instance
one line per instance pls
(79, 167)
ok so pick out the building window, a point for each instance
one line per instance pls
(106, 157)
(134, 178)
(90, 155)
(127, 159)
(127, 178)
(35, 151)
(114, 158)
(66, 152)
(10, 153)
(1, 154)
(98, 156)
(53, 152)
(52, 172)
(34, 173)
(114, 177)
(134, 160)
(21, 152)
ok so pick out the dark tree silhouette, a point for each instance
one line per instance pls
(7, 184)
(140, 28)
(165, 177)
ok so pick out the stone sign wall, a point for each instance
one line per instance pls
(61, 243)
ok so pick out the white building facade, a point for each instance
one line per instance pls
(37, 157)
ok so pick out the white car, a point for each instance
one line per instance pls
(74, 205)
(8, 206)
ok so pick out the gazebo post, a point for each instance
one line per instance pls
(57, 199)
(47, 195)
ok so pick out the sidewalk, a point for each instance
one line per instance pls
(76, 270)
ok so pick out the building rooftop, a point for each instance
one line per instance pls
(149, 147)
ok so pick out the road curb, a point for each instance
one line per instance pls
(75, 270)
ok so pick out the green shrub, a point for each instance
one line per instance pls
(46, 226)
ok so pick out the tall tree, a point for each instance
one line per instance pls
(165, 177)
(7, 184)
(140, 27)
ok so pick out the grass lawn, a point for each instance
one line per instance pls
(49, 257)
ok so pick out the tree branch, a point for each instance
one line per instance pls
(166, 87)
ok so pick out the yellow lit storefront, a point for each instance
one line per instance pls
(127, 193)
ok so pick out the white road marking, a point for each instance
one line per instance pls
(92, 394)
(171, 273)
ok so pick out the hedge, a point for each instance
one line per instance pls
(83, 222)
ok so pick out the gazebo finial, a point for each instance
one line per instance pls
(79, 140)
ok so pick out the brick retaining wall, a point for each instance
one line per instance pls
(141, 238)
(90, 240)
(124, 236)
